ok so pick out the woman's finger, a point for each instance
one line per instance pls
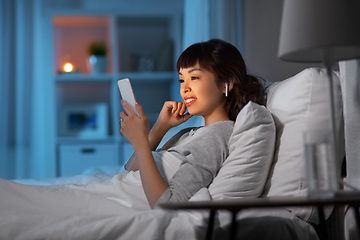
(180, 108)
(174, 107)
(123, 115)
(183, 108)
(140, 110)
(127, 108)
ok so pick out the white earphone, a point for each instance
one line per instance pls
(226, 89)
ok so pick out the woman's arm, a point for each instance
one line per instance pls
(135, 129)
(171, 115)
(156, 134)
(202, 155)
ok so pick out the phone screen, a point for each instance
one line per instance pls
(127, 93)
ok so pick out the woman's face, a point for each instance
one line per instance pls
(201, 94)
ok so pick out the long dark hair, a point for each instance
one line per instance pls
(226, 62)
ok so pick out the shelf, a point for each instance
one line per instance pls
(138, 77)
(140, 48)
(74, 34)
(148, 76)
(144, 44)
(74, 77)
(76, 140)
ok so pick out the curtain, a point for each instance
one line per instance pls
(6, 86)
(196, 22)
(226, 21)
(26, 94)
(205, 19)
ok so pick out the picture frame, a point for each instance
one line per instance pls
(84, 121)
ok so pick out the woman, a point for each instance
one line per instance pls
(215, 85)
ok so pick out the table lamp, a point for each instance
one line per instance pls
(324, 31)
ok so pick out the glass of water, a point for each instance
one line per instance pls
(319, 163)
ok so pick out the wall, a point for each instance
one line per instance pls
(262, 20)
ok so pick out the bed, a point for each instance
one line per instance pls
(265, 160)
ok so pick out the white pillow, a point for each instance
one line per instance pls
(299, 104)
(251, 150)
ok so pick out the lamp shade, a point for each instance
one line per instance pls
(311, 29)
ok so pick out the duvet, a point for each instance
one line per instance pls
(104, 205)
(94, 207)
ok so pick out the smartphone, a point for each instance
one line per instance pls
(127, 93)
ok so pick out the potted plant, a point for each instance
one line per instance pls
(98, 59)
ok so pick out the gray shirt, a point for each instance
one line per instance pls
(202, 151)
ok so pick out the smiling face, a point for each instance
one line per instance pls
(202, 95)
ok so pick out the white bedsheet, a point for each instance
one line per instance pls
(99, 210)
(107, 205)
(100, 205)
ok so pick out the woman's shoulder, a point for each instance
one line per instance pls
(219, 128)
(229, 125)
(223, 124)
(222, 129)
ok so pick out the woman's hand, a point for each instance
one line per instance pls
(173, 114)
(135, 128)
